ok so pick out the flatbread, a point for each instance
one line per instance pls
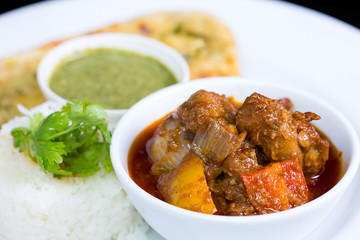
(205, 42)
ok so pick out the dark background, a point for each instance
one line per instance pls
(345, 10)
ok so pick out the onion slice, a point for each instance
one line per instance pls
(168, 146)
(214, 142)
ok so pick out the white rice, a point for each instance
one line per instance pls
(35, 205)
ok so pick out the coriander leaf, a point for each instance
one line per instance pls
(74, 141)
(35, 121)
(107, 160)
(48, 153)
(86, 161)
(52, 125)
(80, 137)
(21, 137)
(58, 171)
(105, 133)
(85, 115)
(95, 112)
(76, 109)
(72, 108)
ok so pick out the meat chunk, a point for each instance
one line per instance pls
(204, 106)
(228, 193)
(225, 183)
(315, 149)
(287, 103)
(282, 134)
(269, 125)
(242, 161)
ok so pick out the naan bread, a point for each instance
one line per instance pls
(203, 40)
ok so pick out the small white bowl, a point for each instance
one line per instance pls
(176, 223)
(130, 42)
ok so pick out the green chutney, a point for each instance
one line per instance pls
(114, 78)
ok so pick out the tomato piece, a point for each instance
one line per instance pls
(297, 190)
(266, 189)
(277, 187)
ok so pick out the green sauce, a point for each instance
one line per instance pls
(114, 78)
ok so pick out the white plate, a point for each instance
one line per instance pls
(277, 41)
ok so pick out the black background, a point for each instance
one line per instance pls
(347, 11)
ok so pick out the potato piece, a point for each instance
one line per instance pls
(186, 187)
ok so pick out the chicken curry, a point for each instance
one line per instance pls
(217, 157)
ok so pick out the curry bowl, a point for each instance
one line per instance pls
(129, 74)
(177, 223)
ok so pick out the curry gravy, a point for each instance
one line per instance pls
(139, 166)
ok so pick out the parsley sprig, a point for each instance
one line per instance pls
(74, 141)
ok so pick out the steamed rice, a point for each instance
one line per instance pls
(35, 205)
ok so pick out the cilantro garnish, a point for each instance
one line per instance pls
(74, 141)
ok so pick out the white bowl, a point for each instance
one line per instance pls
(130, 42)
(176, 223)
